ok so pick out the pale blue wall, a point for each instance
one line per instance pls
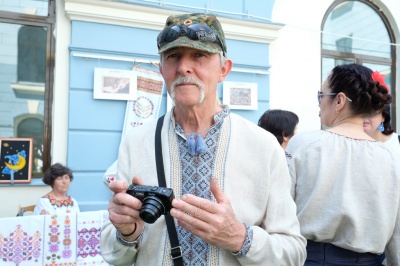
(95, 126)
(239, 9)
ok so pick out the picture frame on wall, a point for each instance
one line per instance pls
(240, 95)
(114, 84)
(16, 160)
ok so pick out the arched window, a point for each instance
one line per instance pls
(32, 127)
(32, 54)
(357, 32)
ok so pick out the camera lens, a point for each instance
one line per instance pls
(152, 209)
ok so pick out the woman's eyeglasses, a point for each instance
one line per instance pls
(195, 32)
(320, 95)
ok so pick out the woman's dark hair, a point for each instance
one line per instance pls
(387, 122)
(279, 122)
(55, 171)
(368, 97)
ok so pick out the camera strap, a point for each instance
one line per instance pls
(176, 250)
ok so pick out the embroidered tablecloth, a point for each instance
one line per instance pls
(147, 105)
(52, 240)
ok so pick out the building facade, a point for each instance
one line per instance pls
(285, 47)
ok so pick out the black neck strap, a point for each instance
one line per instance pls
(176, 251)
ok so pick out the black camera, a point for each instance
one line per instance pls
(156, 201)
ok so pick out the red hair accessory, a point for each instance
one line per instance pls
(380, 78)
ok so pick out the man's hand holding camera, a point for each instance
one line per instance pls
(124, 210)
(214, 222)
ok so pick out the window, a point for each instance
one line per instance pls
(32, 127)
(26, 70)
(36, 8)
(356, 32)
(32, 54)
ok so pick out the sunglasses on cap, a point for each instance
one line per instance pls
(195, 32)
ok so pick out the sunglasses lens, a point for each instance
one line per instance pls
(168, 35)
(200, 27)
(194, 32)
(319, 97)
(202, 33)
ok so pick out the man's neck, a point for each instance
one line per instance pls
(196, 119)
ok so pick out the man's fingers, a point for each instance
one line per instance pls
(122, 215)
(189, 219)
(127, 200)
(137, 181)
(121, 186)
(191, 210)
(195, 204)
(217, 191)
(118, 186)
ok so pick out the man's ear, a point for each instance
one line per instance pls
(225, 70)
(160, 67)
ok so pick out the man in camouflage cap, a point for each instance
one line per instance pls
(231, 183)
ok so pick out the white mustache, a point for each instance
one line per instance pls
(182, 80)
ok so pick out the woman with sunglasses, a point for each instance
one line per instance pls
(346, 184)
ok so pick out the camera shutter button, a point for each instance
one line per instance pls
(154, 188)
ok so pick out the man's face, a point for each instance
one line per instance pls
(191, 75)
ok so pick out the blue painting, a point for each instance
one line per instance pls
(15, 160)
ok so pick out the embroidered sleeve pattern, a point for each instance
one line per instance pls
(247, 243)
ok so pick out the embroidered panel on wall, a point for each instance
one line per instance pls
(52, 240)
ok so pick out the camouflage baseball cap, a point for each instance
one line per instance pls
(198, 31)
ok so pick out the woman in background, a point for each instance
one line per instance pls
(379, 127)
(346, 185)
(281, 123)
(57, 201)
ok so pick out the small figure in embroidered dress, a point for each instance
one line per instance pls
(281, 123)
(346, 184)
(57, 201)
(230, 179)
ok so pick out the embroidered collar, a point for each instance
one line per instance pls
(59, 203)
(217, 118)
(194, 141)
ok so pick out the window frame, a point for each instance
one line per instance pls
(47, 22)
(360, 58)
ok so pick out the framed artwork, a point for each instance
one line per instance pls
(114, 84)
(239, 95)
(16, 160)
